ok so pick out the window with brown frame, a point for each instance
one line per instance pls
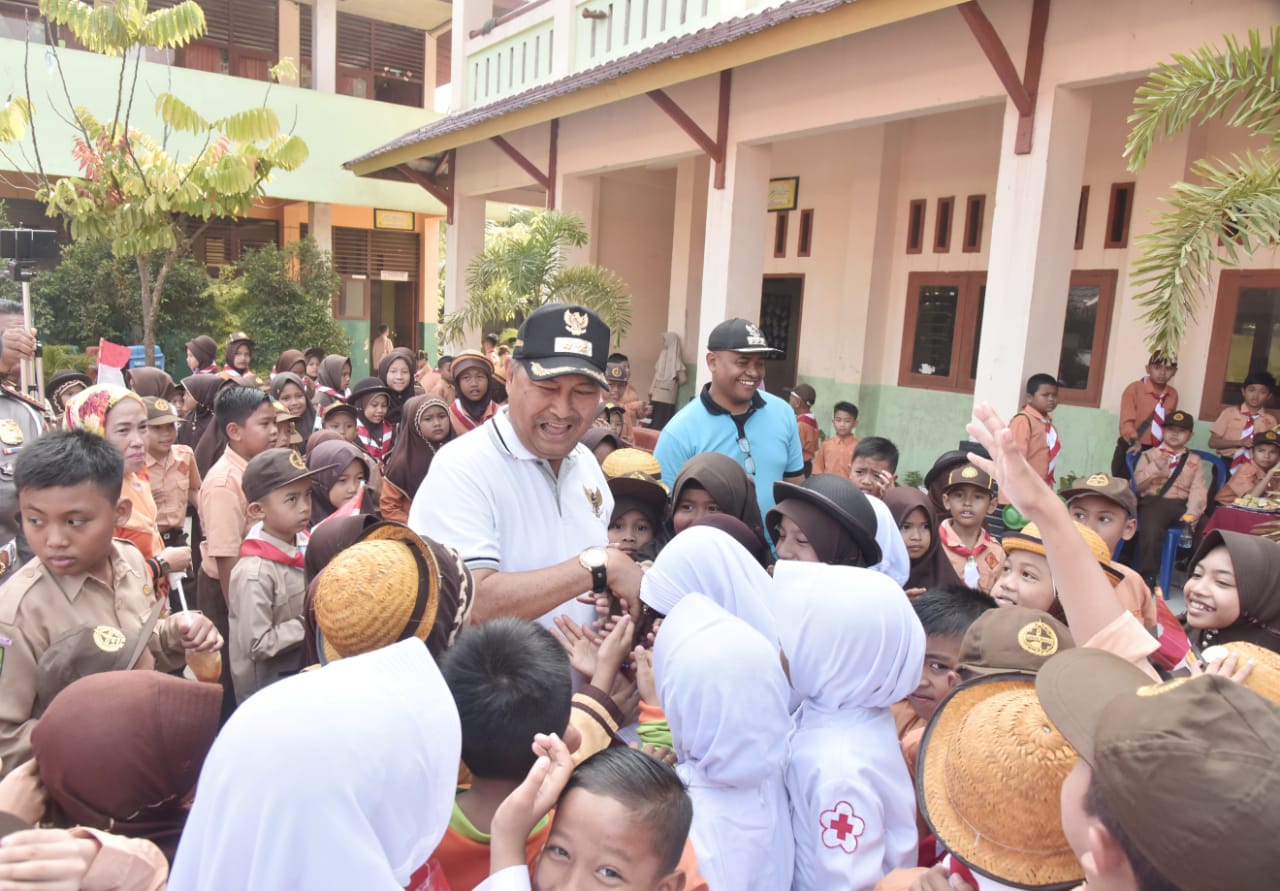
(1118, 214)
(915, 226)
(1082, 215)
(376, 59)
(241, 38)
(1245, 338)
(975, 208)
(780, 234)
(225, 241)
(942, 225)
(804, 241)
(943, 327)
(1091, 297)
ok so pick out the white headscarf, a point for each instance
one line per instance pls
(850, 635)
(338, 778)
(725, 696)
(670, 360)
(710, 562)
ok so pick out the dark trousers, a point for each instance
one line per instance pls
(211, 601)
(1155, 516)
(662, 413)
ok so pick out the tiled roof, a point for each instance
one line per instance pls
(686, 44)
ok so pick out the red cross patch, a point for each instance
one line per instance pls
(841, 827)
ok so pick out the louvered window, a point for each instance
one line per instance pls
(224, 241)
(370, 252)
(242, 38)
(375, 59)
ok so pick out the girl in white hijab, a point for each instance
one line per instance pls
(712, 563)
(854, 647)
(338, 778)
(725, 696)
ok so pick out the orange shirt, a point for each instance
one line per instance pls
(1242, 482)
(173, 478)
(463, 853)
(835, 455)
(463, 423)
(1135, 596)
(1232, 422)
(808, 436)
(224, 512)
(988, 561)
(1030, 433)
(1136, 405)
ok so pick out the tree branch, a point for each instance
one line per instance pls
(26, 84)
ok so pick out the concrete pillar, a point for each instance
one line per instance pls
(320, 225)
(564, 42)
(324, 46)
(428, 71)
(468, 16)
(733, 256)
(688, 233)
(463, 240)
(1032, 240)
(289, 44)
(581, 195)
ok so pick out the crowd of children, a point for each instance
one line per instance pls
(870, 685)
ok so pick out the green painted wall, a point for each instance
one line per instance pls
(358, 331)
(925, 423)
(335, 128)
(427, 337)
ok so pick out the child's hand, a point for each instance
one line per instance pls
(626, 696)
(613, 651)
(1232, 667)
(22, 794)
(198, 633)
(658, 753)
(937, 879)
(532, 799)
(581, 645)
(643, 660)
(177, 559)
(1007, 465)
(45, 859)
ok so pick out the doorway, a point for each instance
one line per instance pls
(780, 303)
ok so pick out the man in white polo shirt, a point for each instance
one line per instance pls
(525, 506)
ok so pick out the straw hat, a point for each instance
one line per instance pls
(1028, 539)
(626, 461)
(1265, 677)
(991, 771)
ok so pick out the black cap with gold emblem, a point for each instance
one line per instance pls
(558, 339)
(272, 469)
(969, 475)
(740, 336)
(1266, 437)
(160, 412)
(1181, 419)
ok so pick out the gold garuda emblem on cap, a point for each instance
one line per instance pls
(1038, 639)
(1097, 480)
(576, 322)
(969, 472)
(108, 639)
(161, 405)
(296, 460)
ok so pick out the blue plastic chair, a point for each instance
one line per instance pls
(1169, 551)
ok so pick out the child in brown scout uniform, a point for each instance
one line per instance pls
(1033, 428)
(1258, 477)
(1232, 434)
(472, 374)
(267, 586)
(1144, 406)
(69, 496)
(1171, 488)
(175, 481)
(974, 554)
(835, 455)
(801, 401)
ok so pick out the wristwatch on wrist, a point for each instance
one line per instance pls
(596, 562)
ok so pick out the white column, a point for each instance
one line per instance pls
(324, 46)
(580, 195)
(289, 43)
(733, 257)
(463, 240)
(565, 31)
(687, 245)
(1032, 239)
(320, 225)
(468, 16)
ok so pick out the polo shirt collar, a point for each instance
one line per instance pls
(715, 408)
(505, 438)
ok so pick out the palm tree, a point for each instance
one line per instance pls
(1235, 205)
(522, 267)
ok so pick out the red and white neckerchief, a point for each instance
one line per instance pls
(464, 419)
(1241, 457)
(231, 369)
(1157, 419)
(340, 395)
(1172, 458)
(258, 547)
(211, 368)
(378, 448)
(1055, 446)
(808, 419)
(970, 554)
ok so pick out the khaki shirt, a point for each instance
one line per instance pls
(1241, 483)
(37, 607)
(1232, 422)
(265, 604)
(1152, 472)
(224, 512)
(172, 481)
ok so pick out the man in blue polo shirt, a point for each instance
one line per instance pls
(735, 417)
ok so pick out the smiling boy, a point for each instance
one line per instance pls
(974, 554)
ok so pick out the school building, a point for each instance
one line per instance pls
(368, 71)
(922, 201)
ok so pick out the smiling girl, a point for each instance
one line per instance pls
(1233, 591)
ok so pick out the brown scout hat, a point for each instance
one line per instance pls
(1180, 419)
(968, 475)
(160, 412)
(1011, 639)
(1111, 488)
(989, 782)
(470, 359)
(86, 650)
(272, 469)
(617, 373)
(1266, 437)
(1214, 825)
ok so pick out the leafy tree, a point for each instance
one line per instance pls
(282, 310)
(1234, 207)
(132, 192)
(522, 267)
